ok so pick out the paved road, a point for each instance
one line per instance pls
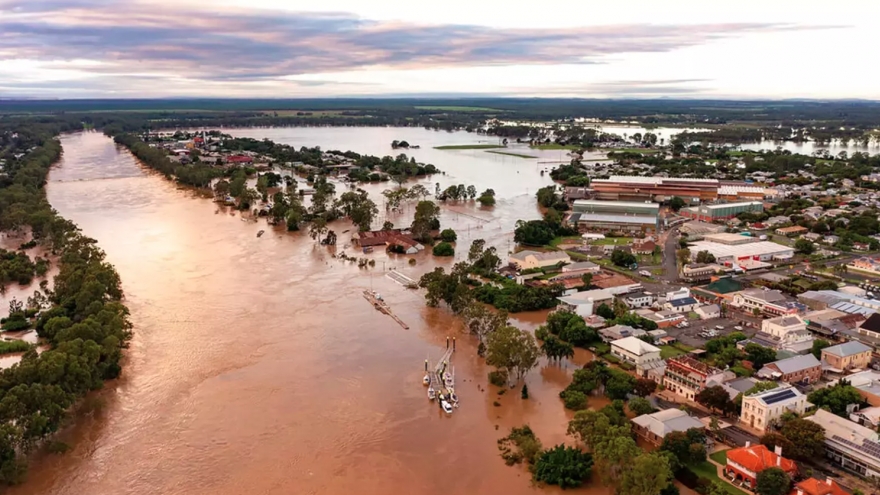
(670, 264)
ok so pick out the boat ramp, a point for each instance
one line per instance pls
(376, 300)
(441, 380)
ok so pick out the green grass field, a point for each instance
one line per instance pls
(556, 241)
(518, 155)
(709, 471)
(667, 351)
(454, 108)
(720, 457)
(469, 147)
(553, 146)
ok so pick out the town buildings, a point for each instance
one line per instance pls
(585, 303)
(812, 486)
(615, 216)
(721, 211)
(868, 385)
(745, 463)
(797, 369)
(681, 305)
(693, 191)
(655, 426)
(686, 376)
(848, 444)
(847, 356)
(708, 311)
(792, 231)
(637, 352)
(770, 302)
(761, 410)
(865, 264)
(735, 253)
(638, 300)
(700, 272)
(526, 260)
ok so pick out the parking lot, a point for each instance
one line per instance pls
(691, 335)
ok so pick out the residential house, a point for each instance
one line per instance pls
(771, 302)
(812, 237)
(812, 486)
(792, 231)
(797, 369)
(618, 332)
(687, 376)
(861, 246)
(585, 303)
(638, 299)
(745, 463)
(847, 356)
(867, 416)
(663, 319)
(636, 351)
(643, 247)
(655, 426)
(761, 410)
(831, 239)
(848, 444)
(682, 305)
(527, 260)
(708, 311)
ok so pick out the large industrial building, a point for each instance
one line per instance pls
(729, 253)
(723, 211)
(693, 191)
(607, 216)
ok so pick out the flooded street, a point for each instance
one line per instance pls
(257, 366)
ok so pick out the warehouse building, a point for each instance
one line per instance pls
(607, 216)
(732, 253)
(693, 191)
(723, 211)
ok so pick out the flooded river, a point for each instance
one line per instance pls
(257, 366)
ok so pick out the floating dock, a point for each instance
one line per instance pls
(441, 379)
(376, 300)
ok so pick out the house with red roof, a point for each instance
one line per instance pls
(812, 486)
(746, 462)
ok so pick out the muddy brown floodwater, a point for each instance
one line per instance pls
(257, 366)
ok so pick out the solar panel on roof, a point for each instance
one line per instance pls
(784, 395)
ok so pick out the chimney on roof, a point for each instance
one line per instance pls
(828, 481)
(748, 444)
(800, 492)
(778, 461)
(778, 450)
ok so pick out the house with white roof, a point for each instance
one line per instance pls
(585, 303)
(636, 351)
(762, 409)
(654, 427)
(849, 445)
(781, 326)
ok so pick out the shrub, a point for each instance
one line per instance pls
(498, 378)
(448, 235)
(574, 399)
(444, 249)
(565, 466)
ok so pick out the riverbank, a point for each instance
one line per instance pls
(82, 319)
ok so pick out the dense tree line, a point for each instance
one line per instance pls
(196, 174)
(82, 317)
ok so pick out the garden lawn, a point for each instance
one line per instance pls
(667, 351)
(720, 457)
(619, 241)
(708, 470)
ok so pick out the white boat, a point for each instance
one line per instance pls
(431, 393)
(449, 379)
(453, 397)
(426, 380)
(447, 408)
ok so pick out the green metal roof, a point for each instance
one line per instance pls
(724, 286)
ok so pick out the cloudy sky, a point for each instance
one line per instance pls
(310, 48)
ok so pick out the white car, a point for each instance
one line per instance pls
(738, 328)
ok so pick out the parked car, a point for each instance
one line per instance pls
(738, 328)
(719, 327)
